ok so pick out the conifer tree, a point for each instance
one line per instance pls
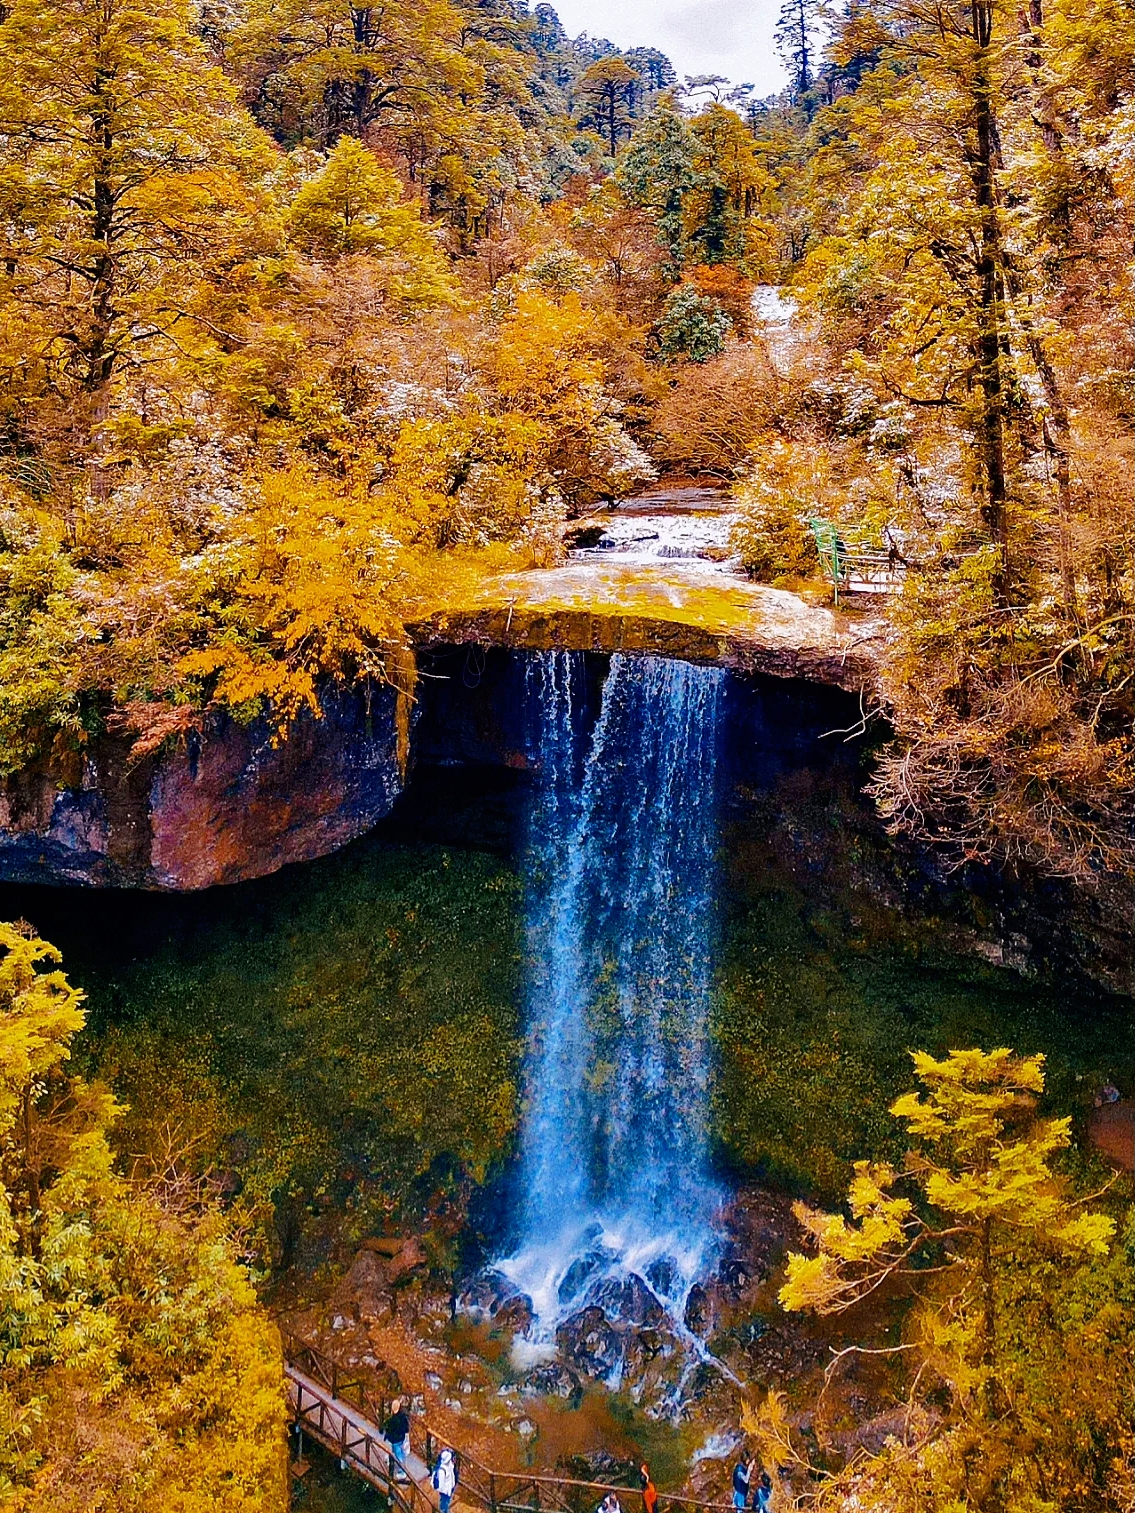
(1007, 1269)
(795, 36)
(608, 93)
(657, 171)
(131, 183)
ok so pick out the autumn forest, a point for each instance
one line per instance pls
(319, 320)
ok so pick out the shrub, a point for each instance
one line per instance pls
(716, 412)
(692, 326)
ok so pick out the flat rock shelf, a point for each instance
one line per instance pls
(671, 609)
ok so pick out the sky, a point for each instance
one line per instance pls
(730, 37)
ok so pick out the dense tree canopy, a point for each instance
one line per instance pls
(136, 1369)
(312, 312)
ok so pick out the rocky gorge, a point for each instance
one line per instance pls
(323, 952)
(223, 801)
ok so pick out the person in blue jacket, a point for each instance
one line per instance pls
(742, 1476)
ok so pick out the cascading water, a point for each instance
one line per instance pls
(620, 923)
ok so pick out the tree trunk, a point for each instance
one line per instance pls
(992, 329)
(1058, 434)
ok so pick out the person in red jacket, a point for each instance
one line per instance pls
(649, 1490)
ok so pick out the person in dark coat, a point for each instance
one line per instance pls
(396, 1432)
(742, 1475)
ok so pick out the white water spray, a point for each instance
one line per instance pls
(620, 924)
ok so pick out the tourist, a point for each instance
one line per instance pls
(397, 1434)
(445, 1479)
(649, 1490)
(762, 1493)
(610, 1504)
(742, 1475)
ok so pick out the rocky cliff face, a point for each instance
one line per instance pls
(224, 806)
(227, 804)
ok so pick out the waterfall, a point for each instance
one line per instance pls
(614, 1151)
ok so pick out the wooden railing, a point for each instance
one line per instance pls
(319, 1391)
(358, 1445)
(342, 1385)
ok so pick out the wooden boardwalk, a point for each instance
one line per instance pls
(358, 1443)
(339, 1412)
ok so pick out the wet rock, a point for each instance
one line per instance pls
(703, 1381)
(515, 1315)
(433, 1381)
(652, 1368)
(701, 1314)
(671, 609)
(628, 1300)
(554, 1380)
(589, 535)
(484, 1295)
(579, 1276)
(591, 1344)
(734, 1276)
(753, 1331)
(643, 1347)
(662, 1275)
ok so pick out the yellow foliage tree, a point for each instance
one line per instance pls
(131, 184)
(315, 592)
(983, 1231)
(472, 479)
(356, 205)
(546, 363)
(136, 1368)
(334, 67)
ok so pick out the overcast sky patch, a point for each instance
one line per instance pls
(730, 37)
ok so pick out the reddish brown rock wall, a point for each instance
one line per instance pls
(220, 807)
